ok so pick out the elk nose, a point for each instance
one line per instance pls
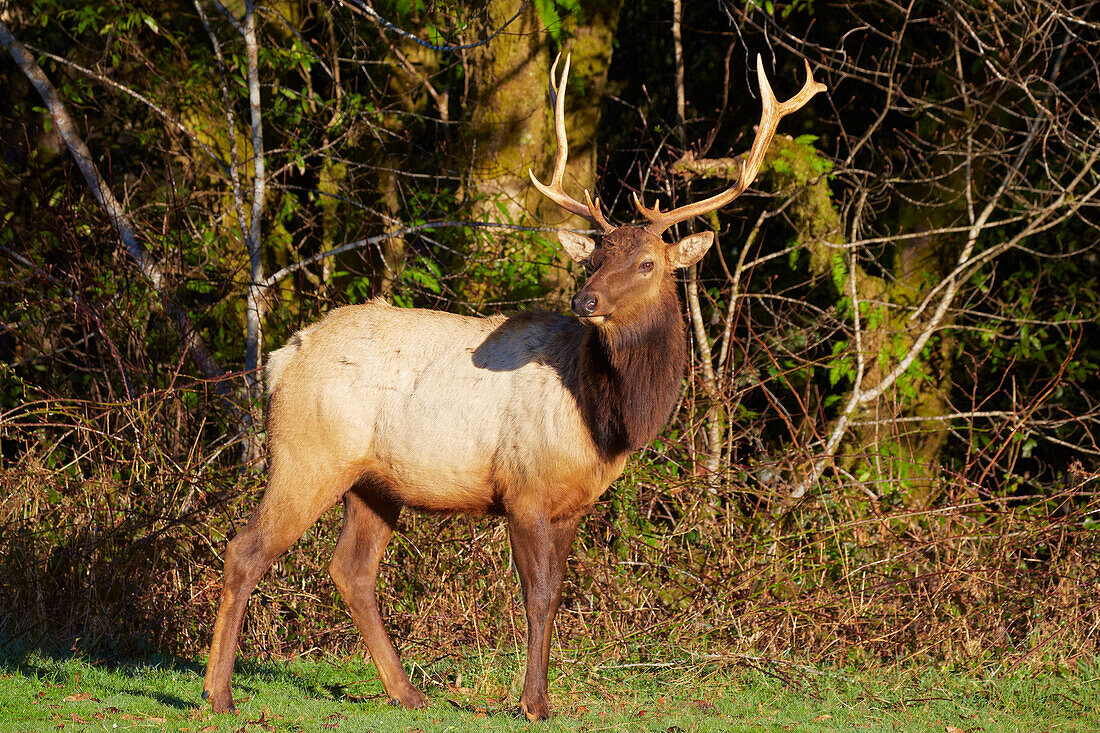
(584, 304)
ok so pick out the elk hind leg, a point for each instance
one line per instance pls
(288, 508)
(369, 519)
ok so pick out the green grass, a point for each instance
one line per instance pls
(44, 693)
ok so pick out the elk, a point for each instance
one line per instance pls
(530, 416)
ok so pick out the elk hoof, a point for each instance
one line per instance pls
(535, 710)
(220, 705)
(412, 698)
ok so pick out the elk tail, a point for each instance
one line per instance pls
(278, 360)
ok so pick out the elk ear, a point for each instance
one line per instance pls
(690, 249)
(577, 246)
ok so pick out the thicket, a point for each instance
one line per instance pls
(885, 450)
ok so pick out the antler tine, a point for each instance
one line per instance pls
(771, 112)
(557, 98)
(596, 208)
(589, 210)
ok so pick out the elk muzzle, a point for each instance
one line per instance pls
(585, 303)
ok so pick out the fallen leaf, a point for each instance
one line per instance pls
(78, 697)
(953, 729)
(823, 716)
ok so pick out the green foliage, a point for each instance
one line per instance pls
(550, 14)
(103, 20)
(786, 10)
(421, 274)
(841, 367)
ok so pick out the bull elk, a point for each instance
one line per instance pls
(531, 417)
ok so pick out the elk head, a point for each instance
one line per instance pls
(632, 265)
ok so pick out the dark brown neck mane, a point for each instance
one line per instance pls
(630, 375)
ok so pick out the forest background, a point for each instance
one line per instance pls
(885, 449)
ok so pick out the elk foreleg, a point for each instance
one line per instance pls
(369, 519)
(540, 549)
(561, 539)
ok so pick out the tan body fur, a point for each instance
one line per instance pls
(443, 424)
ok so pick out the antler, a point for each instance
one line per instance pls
(590, 210)
(770, 115)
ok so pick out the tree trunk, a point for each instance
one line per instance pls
(867, 433)
(512, 120)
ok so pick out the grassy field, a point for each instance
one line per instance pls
(44, 693)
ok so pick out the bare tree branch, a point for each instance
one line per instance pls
(254, 310)
(149, 269)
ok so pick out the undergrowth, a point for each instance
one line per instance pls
(111, 538)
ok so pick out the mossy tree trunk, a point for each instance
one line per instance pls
(875, 442)
(512, 127)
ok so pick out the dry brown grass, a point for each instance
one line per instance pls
(110, 542)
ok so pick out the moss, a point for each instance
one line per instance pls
(795, 165)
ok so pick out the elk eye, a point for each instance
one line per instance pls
(646, 266)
